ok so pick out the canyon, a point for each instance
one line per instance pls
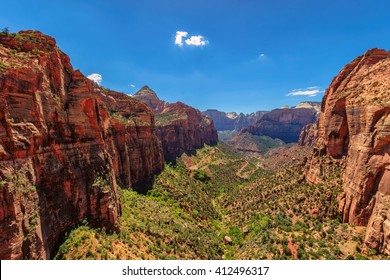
(67, 144)
(140, 177)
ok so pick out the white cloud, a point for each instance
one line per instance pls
(261, 55)
(97, 78)
(310, 91)
(179, 37)
(133, 86)
(196, 41)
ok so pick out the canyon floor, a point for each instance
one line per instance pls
(221, 204)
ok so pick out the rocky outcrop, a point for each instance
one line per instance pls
(285, 124)
(61, 154)
(315, 106)
(354, 126)
(232, 121)
(309, 132)
(150, 98)
(308, 135)
(136, 150)
(181, 128)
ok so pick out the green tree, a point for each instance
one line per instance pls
(5, 30)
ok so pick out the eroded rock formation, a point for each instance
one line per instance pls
(181, 128)
(137, 152)
(61, 154)
(308, 135)
(354, 126)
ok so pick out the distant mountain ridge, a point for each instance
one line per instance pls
(237, 121)
(232, 120)
(285, 124)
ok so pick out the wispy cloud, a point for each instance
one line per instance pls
(197, 40)
(262, 57)
(97, 78)
(310, 91)
(133, 86)
(179, 37)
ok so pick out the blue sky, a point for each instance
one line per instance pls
(237, 55)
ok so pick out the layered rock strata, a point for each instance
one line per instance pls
(181, 128)
(61, 154)
(285, 124)
(354, 126)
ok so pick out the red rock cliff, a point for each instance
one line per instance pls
(60, 151)
(180, 127)
(137, 153)
(354, 126)
(183, 129)
(308, 135)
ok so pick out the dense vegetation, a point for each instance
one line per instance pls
(219, 204)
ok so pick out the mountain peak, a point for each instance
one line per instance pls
(316, 106)
(146, 91)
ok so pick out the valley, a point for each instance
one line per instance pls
(90, 173)
(218, 204)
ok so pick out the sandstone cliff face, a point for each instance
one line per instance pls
(136, 150)
(232, 121)
(308, 135)
(60, 152)
(285, 124)
(187, 130)
(181, 128)
(354, 126)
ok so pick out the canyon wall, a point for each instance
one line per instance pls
(181, 128)
(354, 128)
(61, 154)
(308, 135)
(285, 124)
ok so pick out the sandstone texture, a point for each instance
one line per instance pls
(61, 153)
(285, 124)
(181, 128)
(308, 135)
(354, 127)
(136, 150)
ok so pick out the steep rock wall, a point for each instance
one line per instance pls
(354, 126)
(285, 124)
(187, 131)
(60, 151)
(181, 128)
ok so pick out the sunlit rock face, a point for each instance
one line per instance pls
(354, 126)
